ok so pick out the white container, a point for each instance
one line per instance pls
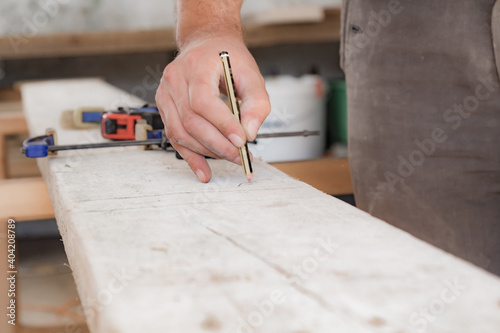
(297, 104)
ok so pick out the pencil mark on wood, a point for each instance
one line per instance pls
(160, 249)
(211, 323)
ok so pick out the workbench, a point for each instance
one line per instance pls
(154, 250)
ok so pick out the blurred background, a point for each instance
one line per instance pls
(128, 43)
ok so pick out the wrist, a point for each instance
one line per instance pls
(198, 20)
(195, 34)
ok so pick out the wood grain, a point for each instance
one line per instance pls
(154, 250)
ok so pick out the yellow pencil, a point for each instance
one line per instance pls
(235, 109)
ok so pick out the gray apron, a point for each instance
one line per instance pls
(424, 119)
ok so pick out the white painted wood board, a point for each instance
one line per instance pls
(154, 250)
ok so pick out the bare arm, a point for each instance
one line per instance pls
(196, 121)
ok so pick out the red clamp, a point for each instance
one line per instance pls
(119, 126)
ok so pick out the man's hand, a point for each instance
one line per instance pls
(197, 122)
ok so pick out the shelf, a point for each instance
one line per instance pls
(330, 175)
(162, 40)
(90, 44)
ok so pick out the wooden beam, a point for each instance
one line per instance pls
(160, 40)
(11, 122)
(18, 166)
(95, 43)
(330, 175)
(154, 250)
(3, 157)
(24, 199)
(10, 94)
(10, 106)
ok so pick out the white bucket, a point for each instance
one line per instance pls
(297, 104)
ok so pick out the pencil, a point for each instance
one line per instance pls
(235, 109)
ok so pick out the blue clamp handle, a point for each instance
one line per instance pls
(91, 116)
(38, 146)
(94, 116)
(145, 109)
(155, 134)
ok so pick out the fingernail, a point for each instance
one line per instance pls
(201, 175)
(236, 140)
(252, 128)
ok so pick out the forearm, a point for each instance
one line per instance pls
(207, 18)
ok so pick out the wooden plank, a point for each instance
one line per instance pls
(13, 130)
(3, 157)
(154, 250)
(11, 122)
(10, 106)
(330, 175)
(119, 42)
(10, 94)
(94, 43)
(24, 199)
(18, 166)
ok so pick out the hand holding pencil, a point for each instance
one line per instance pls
(197, 122)
(235, 109)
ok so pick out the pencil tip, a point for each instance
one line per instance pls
(250, 177)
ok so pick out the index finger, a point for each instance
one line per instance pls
(205, 101)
